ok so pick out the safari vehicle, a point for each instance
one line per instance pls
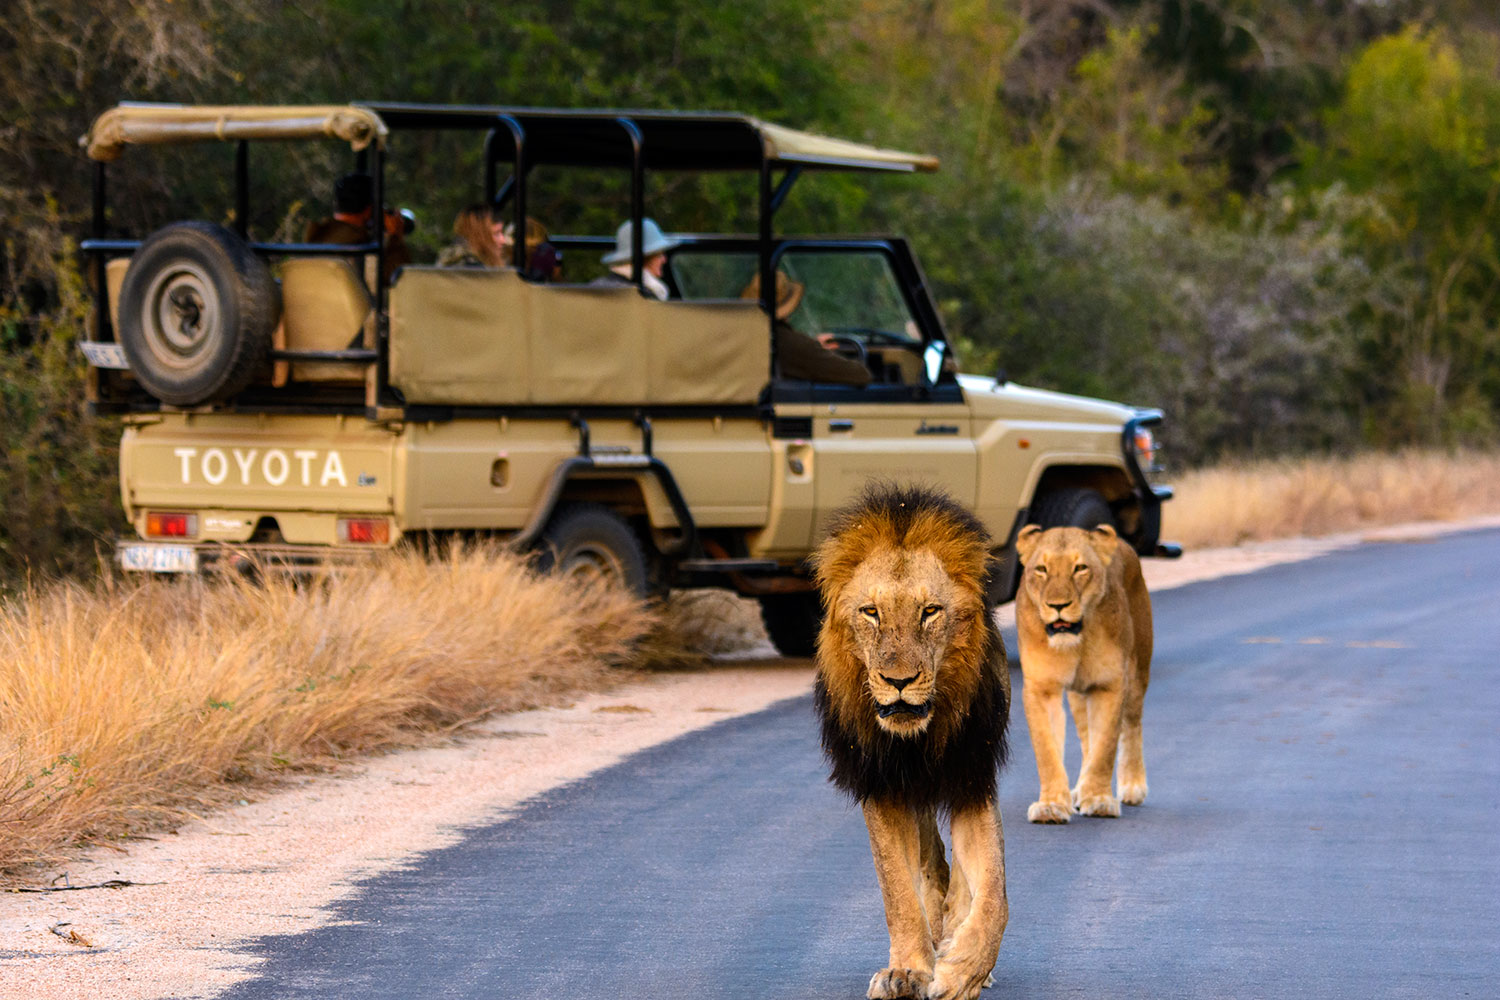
(280, 406)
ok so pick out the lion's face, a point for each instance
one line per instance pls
(1064, 576)
(900, 606)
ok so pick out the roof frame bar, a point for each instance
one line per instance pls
(785, 187)
(637, 197)
(517, 186)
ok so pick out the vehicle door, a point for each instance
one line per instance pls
(909, 424)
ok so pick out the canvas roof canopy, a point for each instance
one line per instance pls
(133, 124)
(669, 140)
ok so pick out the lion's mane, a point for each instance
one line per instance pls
(952, 764)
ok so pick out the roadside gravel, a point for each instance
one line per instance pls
(274, 865)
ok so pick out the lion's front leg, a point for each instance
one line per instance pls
(895, 844)
(1092, 795)
(935, 875)
(1079, 706)
(969, 951)
(1044, 717)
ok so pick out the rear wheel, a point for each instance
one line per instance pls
(589, 542)
(792, 621)
(1072, 508)
(197, 309)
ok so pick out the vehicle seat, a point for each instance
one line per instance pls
(114, 280)
(323, 308)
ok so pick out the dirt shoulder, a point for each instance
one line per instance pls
(274, 866)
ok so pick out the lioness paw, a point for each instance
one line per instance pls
(1133, 794)
(1048, 812)
(889, 984)
(1099, 805)
(957, 983)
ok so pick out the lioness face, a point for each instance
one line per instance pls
(900, 607)
(1064, 576)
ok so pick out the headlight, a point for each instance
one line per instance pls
(1144, 444)
(1142, 449)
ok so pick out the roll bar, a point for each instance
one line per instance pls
(656, 139)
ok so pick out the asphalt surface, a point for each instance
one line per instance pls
(1324, 819)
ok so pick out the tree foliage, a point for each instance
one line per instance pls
(1273, 218)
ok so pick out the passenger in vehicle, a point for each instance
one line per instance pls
(654, 247)
(353, 208)
(799, 356)
(543, 260)
(481, 239)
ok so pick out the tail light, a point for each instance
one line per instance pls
(364, 530)
(160, 524)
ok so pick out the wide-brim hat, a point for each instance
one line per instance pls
(788, 293)
(653, 242)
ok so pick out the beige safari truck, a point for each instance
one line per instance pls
(285, 404)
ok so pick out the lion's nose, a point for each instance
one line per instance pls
(897, 682)
(1058, 607)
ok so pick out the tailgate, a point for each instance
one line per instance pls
(257, 462)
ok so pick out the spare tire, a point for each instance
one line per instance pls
(197, 309)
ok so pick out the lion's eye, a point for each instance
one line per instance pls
(870, 612)
(1040, 570)
(1080, 568)
(931, 610)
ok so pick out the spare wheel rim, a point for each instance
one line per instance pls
(181, 317)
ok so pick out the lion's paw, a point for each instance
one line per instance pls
(1133, 794)
(1098, 805)
(1048, 812)
(957, 982)
(889, 984)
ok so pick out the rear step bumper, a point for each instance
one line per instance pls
(134, 555)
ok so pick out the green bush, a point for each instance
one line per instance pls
(59, 491)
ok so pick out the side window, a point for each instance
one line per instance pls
(853, 294)
(700, 275)
(843, 300)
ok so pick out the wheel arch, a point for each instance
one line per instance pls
(646, 496)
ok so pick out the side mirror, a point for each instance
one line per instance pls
(933, 358)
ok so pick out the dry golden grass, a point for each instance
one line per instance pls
(127, 707)
(1256, 501)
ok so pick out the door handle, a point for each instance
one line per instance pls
(841, 425)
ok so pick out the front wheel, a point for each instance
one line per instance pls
(1072, 508)
(792, 621)
(589, 542)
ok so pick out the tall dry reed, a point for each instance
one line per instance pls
(1255, 501)
(128, 706)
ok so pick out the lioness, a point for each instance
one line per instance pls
(1084, 620)
(914, 694)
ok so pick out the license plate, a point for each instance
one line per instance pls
(147, 558)
(102, 354)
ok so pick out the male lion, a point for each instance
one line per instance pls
(1084, 620)
(914, 693)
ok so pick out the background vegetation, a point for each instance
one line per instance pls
(1275, 219)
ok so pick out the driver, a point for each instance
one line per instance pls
(798, 355)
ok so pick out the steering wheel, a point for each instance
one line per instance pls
(877, 337)
(848, 347)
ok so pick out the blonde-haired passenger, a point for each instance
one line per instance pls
(543, 260)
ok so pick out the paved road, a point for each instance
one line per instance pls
(1324, 821)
